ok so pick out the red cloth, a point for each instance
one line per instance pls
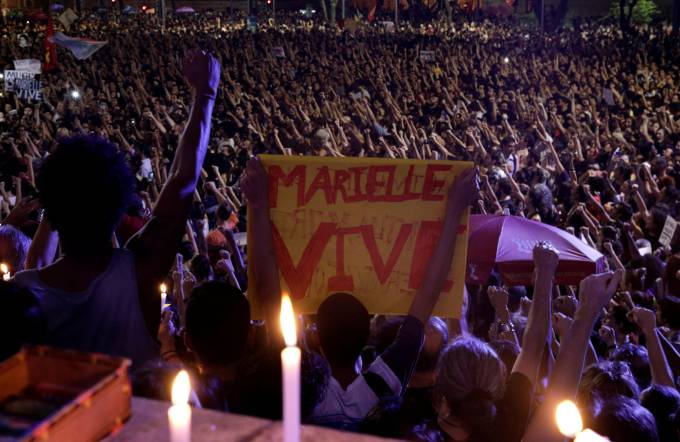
(50, 48)
(372, 12)
(129, 225)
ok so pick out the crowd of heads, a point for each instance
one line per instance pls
(578, 128)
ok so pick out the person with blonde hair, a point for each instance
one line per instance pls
(14, 245)
(474, 402)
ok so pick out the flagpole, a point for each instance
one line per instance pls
(542, 15)
(396, 15)
(163, 16)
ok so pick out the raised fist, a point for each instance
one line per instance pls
(546, 257)
(202, 71)
(254, 184)
(645, 319)
(464, 190)
(498, 297)
(597, 290)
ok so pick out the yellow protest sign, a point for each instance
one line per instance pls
(364, 226)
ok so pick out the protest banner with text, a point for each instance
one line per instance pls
(23, 84)
(362, 226)
(427, 56)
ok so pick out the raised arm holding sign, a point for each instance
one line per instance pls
(343, 320)
(361, 226)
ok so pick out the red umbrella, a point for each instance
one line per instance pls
(506, 244)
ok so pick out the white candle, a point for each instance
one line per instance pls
(164, 295)
(570, 424)
(568, 419)
(290, 366)
(5, 272)
(179, 415)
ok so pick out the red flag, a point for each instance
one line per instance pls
(371, 13)
(50, 47)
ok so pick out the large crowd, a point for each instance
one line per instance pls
(139, 164)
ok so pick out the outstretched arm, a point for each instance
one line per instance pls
(536, 335)
(661, 371)
(502, 327)
(595, 292)
(265, 286)
(462, 194)
(402, 355)
(155, 246)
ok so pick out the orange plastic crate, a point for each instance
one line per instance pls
(98, 388)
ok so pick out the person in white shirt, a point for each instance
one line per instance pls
(343, 323)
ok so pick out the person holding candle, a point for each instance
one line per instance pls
(96, 297)
(343, 322)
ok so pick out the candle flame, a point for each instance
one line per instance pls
(287, 319)
(164, 288)
(568, 419)
(181, 388)
(4, 268)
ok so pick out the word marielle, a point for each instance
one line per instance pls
(378, 183)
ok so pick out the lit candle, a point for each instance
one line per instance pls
(570, 424)
(179, 415)
(164, 295)
(568, 419)
(5, 272)
(290, 365)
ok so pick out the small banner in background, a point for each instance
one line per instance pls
(278, 52)
(427, 56)
(28, 65)
(668, 232)
(67, 18)
(23, 84)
